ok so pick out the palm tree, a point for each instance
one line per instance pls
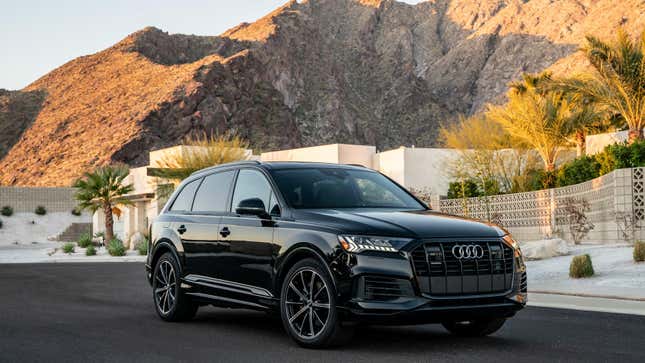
(104, 189)
(618, 82)
(539, 119)
(585, 117)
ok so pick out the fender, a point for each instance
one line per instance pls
(294, 252)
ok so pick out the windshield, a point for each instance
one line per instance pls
(332, 188)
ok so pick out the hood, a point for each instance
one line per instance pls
(413, 224)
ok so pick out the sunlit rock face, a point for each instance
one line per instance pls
(375, 72)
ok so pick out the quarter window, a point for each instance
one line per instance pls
(213, 193)
(184, 200)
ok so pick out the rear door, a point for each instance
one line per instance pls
(201, 242)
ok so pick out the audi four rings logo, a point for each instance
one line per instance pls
(468, 251)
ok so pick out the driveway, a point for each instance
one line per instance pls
(103, 312)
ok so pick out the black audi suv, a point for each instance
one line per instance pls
(328, 247)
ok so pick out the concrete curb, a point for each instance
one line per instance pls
(587, 303)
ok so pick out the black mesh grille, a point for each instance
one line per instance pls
(523, 283)
(440, 272)
(383, 288)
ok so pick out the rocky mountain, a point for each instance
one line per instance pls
(374, 72)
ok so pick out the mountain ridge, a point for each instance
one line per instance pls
(374, 72)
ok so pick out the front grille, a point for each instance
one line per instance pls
(383, 288)
(439, 272)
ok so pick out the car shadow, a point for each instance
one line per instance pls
(368, 338)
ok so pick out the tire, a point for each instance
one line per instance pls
(474, 328)
(171, 303)
(308, 307)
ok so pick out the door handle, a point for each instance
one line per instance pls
(181, 229)
(224, 232)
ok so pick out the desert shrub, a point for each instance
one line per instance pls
(85, 240)
(90, 251)
(581, 266)
(142, 247)
(40, 210)
(577, 171)
(68, 247)
(7, 211)
(116, 248)
(639, 251)
(538, 179)
(76, 212)
(575, 215)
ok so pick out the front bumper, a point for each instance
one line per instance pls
(415, 306)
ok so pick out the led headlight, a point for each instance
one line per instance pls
(359, 244)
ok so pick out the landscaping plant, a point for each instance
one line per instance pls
(85, 240)
(115, 247)
(7, 211)
(40, 210)
(581, 266)
(76, 211)
(90, 251)
(0, 223)
(575, 215)
(104, 189)
(639, 251)
(68, 248)
(142, 247)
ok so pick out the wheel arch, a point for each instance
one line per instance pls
(299, 252)
(161, 247)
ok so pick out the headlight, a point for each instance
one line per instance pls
(358, 244)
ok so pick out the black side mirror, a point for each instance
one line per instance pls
(252, 206)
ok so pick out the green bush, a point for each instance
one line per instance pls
(76, 211)
(142, 247)
(85, 240)
(7, 211)
(68, 247)
(620, 156)
(577, 171)
(90, 251)
(639, 251)
(466, 189)
(40, 210)
(116, 248)
(581, 266)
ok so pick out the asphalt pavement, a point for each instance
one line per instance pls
(103, 312)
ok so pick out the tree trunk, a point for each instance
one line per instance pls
(109, 223)
(634, 135)
(581, 140)
(549, 166)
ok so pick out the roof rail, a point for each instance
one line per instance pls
(358, 165)
(242, 162)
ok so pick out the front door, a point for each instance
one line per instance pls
(249, 238)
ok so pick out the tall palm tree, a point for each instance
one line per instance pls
(539, 119)
(618, 82)
(104, 189)
(585, 117)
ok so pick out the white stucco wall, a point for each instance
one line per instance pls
(332, 153)
(596, 143)
(26, 228)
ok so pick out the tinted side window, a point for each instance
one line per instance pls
(251, 184)
(184, 200)
(213, 193)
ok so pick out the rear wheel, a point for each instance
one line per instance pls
(308, 307)
(170, 301)
(474, 328)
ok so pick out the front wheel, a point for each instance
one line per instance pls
(308, 307)
(170, 301)
(474, 328)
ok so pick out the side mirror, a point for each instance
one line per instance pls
(252, 206)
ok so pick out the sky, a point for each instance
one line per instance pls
(38, 36)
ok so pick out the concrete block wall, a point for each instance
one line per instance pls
(26, 199)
